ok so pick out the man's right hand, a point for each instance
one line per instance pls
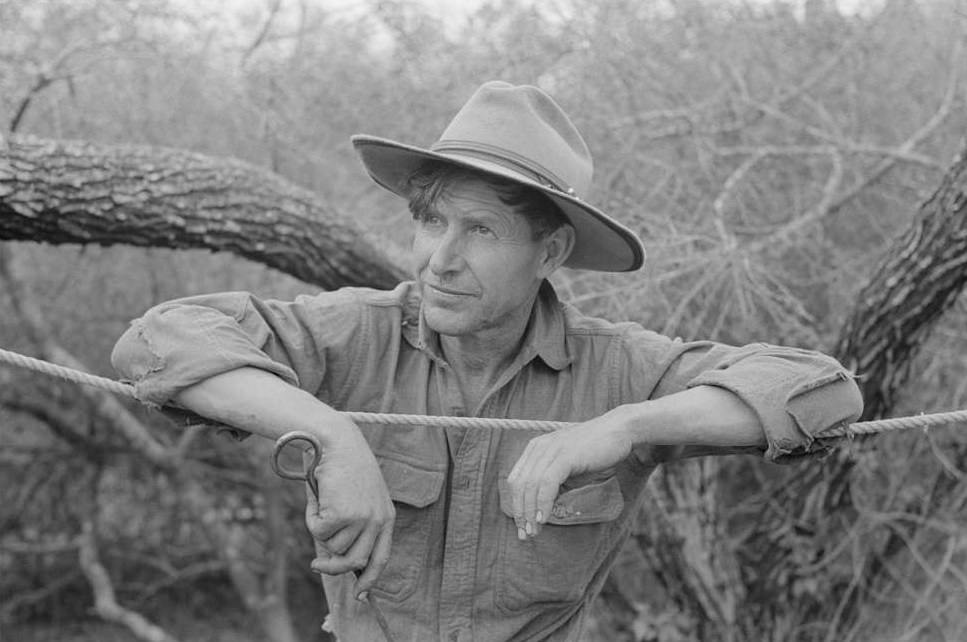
(352, 521)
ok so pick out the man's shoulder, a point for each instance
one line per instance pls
(637, 343)
(403, 295)
(578, 323)
(402, 301)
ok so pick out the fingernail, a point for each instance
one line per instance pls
(540, 517)
(529, 528)
(363, 596)
(521, 534)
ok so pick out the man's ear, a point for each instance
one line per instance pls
(557, 247)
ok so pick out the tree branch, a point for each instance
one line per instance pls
(75, 192)
(14, 602)
(105, 602)
(274, 7)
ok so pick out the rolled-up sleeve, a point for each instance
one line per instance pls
(796, 394)
(180, 343)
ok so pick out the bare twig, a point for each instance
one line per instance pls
(718, 205)
(177, 576)
(35, 325)
(105, 602)
(52, 72)
(226, 538)
(906, 147)
(712, 273)
(14, 602)
(41, 83)
(21, 547)
(701, 117)
(61, 422)
(844, 145)
(944, 459)
(812, 215)
(274, 6)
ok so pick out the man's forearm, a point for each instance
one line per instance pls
(700, 416)
(352, 517)
(261, 403)
(703, 417)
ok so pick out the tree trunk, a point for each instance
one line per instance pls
(919, 278)
(77, 192)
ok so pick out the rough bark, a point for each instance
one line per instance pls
(917, 280)
(685, 542)
(79, 192)
(919, 277)
(777, 589)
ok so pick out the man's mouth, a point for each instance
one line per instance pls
(447, 291)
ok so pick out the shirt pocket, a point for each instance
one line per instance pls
(415, 492)
(558, 564)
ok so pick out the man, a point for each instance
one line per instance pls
(470, 533)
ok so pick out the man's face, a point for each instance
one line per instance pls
(476, 263)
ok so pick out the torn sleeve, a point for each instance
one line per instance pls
(796, 394)
(174, 346)
(180, 343)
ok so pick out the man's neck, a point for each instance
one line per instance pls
(478, 360)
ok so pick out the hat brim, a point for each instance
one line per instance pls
(601, 243)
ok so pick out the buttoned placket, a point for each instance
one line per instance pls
(469, 459)
(468, 449)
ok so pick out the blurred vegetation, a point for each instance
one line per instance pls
(768, 152)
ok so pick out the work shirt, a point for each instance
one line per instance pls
(457, 570)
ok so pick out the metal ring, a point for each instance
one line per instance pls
(307, 474)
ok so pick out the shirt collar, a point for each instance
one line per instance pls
(545, 336)
(546, 331)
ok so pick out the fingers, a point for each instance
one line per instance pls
(341, 542)
(352, 512)
(320, 528)
(546, 494)
(534, 484)
(355, 559)
(377, 560)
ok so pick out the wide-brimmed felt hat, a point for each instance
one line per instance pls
(517, 133)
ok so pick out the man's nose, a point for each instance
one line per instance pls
(448, 254)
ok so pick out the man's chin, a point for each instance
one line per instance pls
(446, 322)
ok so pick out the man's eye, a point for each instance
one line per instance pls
(432, 220)
(482, 229)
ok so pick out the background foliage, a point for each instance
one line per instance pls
(767, 152)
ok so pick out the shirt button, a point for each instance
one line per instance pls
(465, 483)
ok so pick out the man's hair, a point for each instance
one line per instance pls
(427, 185)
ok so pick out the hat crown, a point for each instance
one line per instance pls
(520, 134)
(522, 129)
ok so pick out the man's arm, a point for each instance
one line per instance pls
(704, 416)
(250, 364)
(353, 519)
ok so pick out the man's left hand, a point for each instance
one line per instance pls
(550, 459)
